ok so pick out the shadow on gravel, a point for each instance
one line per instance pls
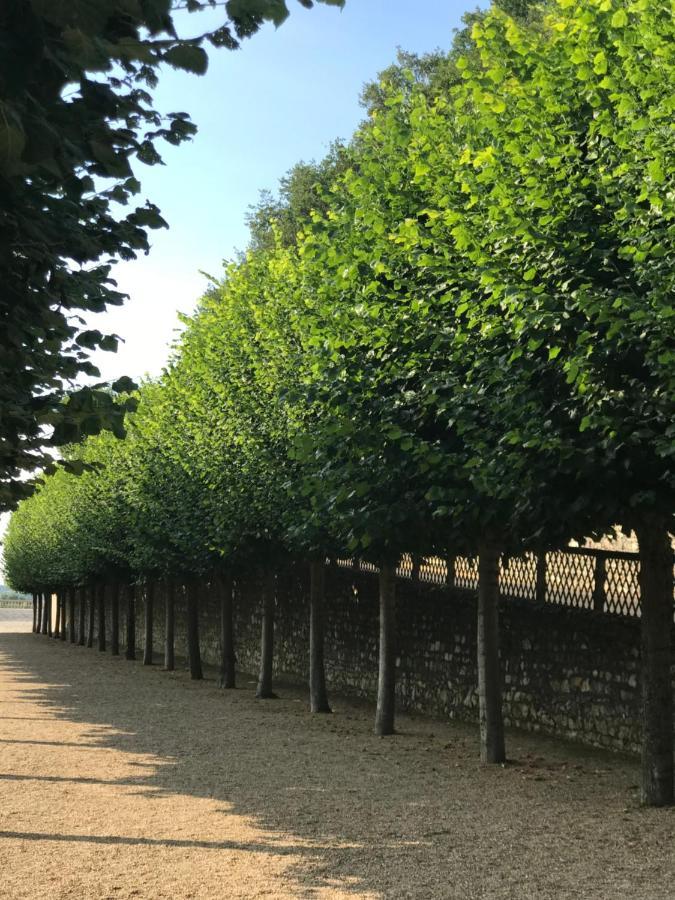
(409, 816)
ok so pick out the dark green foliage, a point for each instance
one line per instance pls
(76, 114)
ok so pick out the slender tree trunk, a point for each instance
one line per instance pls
(656, 590)
(115, 618)
(194, 653)
(492, 749)
(49, 614)
(318, 696)
(38, 622)
(264, 690)
(62, 599)
(227, 659)
(57, 622)
(34, 611)
(386, 681)
(131, 622)
(149, 620)
(169, 618)
(81, 617)
(90, 615)
(45, 612)
(71, 615)
(100, 597)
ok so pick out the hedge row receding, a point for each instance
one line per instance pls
(467, 346)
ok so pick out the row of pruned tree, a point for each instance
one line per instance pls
(458, 339)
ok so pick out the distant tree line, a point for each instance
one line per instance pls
(455, 335)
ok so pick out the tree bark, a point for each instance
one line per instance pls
(34, 611)
(194, 654)
(45, 605)
(49, 613)
(149, 621)
(62, 598)
(100, 605)
(386, 680)
(264, 690)
(318, 696)
(131, 622)
(57, 623)
(115, 618)
(82, 610)
(90, 617)
(492, 748)
(169, 616)
(656, 601)
(227, 658)
(71, 615)
(38, 620)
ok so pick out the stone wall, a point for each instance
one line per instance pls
(567, 672)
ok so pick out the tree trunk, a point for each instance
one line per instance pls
(264, 690)
(71, 615)
(227, 659)
(45, 612)
(34, 611)
(115, 618)
(62, 598)
(82, 610)
(656, 601)
(492, 749)
(386, 680)
(149, 621)
(194, 654)
(318, 696)
(131, 622)
(101, 615)
(90, 617)
(169, 613)
(57, 623)
(49, 613)
(38, 620)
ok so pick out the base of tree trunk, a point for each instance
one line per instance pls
(149, 622)
(318, 695)
(492, 747)
(71, 615)
(227, 677)
(656, 604)
(386, 681)
(81, 617)
(264, 690)
(90, 621)
(130, 652)
(115, 619)
(169, 619)
(101, 618)
(194, 653)
(57, 623)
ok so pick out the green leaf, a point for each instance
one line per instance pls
(188, 57)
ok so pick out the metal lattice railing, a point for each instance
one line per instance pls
(584, 578)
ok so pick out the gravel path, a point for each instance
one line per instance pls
(119, 781)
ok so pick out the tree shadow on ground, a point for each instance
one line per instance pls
(412, 815)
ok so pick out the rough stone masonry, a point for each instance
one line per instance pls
(567, 672)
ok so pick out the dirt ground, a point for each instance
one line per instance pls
(124, 781)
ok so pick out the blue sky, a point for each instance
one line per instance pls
(283, 97)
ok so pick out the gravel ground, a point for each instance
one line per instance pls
(121, 781)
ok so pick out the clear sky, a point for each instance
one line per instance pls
(282, 98)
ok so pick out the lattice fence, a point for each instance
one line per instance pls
(600, 580)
